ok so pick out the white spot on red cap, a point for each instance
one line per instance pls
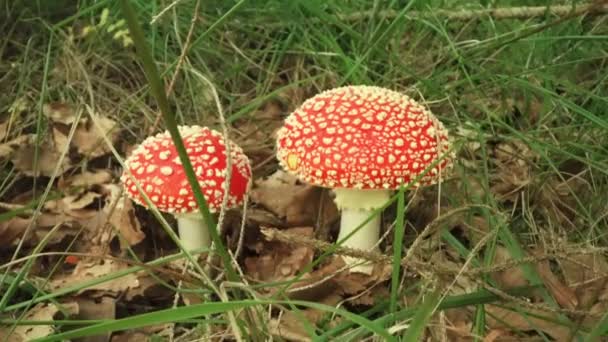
(164, 155)
(166, 170)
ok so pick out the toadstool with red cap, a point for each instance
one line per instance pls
(364, 142)
(156, 166)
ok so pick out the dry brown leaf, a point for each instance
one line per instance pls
(587, 274)
(277, 192)
(12, 229)
(557, 198)
(362, 288)
(598, 309)
(463, 284)
(75, 206)
(510, 278)
(22, 152)
(59, 112)
(60, 138)
(130, 336)
(297, 203)
(124, 220)
(564, 295)
(514, 277)
(513, 172)
(459, 323)
(497, 315)
(288, 330)
(318, 284)
(24, 160)
(100, 308)
(290, 326)
(279, 261)
(88, 138)
(120, 212)
(262, 217)
(95, 215)
(88, 271)
(44, 222)
(4, 130)
(331, 279)
(149, 288)
(85, 179)
(40, 312)
(144, 334)
(494, 335)
(8, 148)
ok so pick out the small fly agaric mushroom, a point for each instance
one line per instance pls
(156, 166)
(363, 142)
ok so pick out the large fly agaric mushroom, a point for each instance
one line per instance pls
(363, 142)
(156, 166)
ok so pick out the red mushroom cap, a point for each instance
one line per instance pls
(157, 167)
(362, 137)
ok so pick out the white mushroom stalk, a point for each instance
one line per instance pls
(363, 142)
(193, 231)
(360, 224)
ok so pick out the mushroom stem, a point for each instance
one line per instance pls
(365, 238)
(357, 207)
(193, 232)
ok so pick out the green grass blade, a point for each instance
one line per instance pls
(599, 331)
(397, 249)
(422, 316)
(451, 302)
(156, 87)
(188, 312)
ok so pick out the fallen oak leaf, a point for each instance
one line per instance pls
(40, 312)
(86, 271)
(102, 308)
(510, 278)
(145, 334)
(515, 277)
(60, 112)
(290, 325)
(564, 295)
(89, 136)
(494, 334)
(8, 148)
(48, 156)
(4, 130)
(502, 318)
(85, 179)
(298, 204)
(75, 206)
(12, 229)
(150, 288)
(278, 260)
(122, 215)
(587, 274)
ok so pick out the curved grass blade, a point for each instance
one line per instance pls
(158, 92)
(188, 312)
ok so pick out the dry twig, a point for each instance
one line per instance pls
(180, 61)
(415, 265)
(523, 12)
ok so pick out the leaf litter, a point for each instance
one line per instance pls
(102, 224)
